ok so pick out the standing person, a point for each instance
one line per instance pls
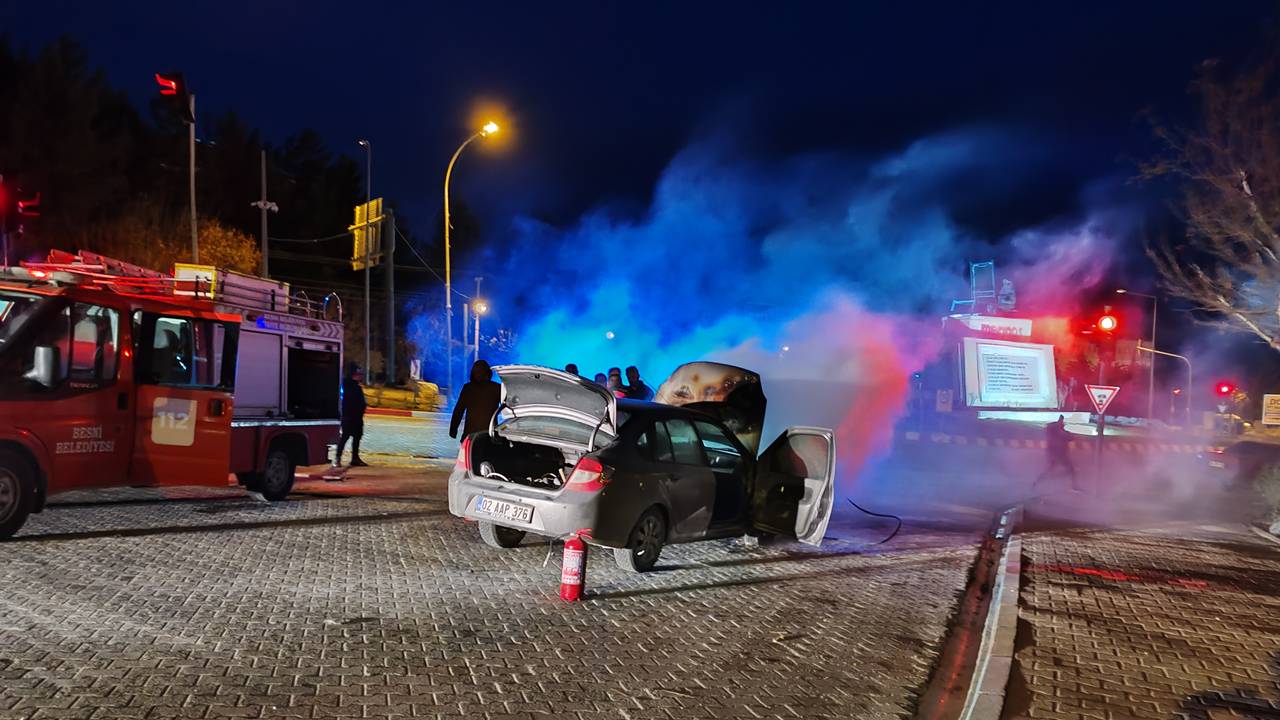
(1058, 444)
(614, 382)
(478, 401)
(636, 389)
(571, 368)
(353, 407)
(601, 380)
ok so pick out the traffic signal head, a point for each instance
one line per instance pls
(1108, 323)
(170, 84)
(1224, 389)
(174, 88)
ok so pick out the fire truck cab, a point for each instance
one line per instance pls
(113, 375)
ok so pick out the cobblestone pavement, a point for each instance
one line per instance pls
(417, 437)
(366, 599)
(1181, 622)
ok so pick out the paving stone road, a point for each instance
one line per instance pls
(366, 599)
(416, 437)
(1179, 621)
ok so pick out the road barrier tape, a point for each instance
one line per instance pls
(1081, 443)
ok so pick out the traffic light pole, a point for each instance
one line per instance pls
(191, 176)
(1102, 429)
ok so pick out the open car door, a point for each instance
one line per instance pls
(793, 491)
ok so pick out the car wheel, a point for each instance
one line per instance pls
(645, 545)
(17, 492)
(498, 536)
(276, 480)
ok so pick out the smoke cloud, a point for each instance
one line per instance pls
(826, 273)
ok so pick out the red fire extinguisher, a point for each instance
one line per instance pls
(573, 568)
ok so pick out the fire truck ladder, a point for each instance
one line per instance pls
(982, 286)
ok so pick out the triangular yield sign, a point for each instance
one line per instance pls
(1102, 395)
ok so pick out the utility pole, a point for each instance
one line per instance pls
(262, 199)
(368, 237)
(389, 242)
(264, 205)
(478, 310)
(191, 176)
(4, 222)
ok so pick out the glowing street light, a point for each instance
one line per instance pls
(479, 307)
(488, 129)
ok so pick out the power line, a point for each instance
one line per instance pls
(311, 240)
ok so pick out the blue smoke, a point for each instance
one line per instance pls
(731, 250)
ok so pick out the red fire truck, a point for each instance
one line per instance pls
(116, 375)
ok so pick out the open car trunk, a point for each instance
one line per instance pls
(521, 462)
(553, 419)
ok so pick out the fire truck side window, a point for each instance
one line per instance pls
(171, 354)
(94, 341)
(185, 351)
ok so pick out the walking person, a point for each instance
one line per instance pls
(478, 401)
(1057, 448)
(353, 407)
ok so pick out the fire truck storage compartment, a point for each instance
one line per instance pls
(258, 377)
(315, 378)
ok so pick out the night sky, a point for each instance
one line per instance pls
(600, 96)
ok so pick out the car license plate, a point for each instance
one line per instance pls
(1217, 464)
(504, 510)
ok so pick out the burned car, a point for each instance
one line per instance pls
(634, 476)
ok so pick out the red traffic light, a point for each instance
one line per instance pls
(30, 207)
(1225, 388)
(169, 84)
(1108, 323)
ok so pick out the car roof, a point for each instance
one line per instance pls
(642, 408)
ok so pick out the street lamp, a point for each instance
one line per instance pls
(479, 307)
(368, 198)
(1151, 377)
(488, 129)
(1184, 359)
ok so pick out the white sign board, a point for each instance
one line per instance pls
(1005, 374)
(1271, 409)
(1102, 395)
(1020, 327)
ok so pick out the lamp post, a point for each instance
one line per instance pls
(368, 198)
(479, 307)
(1151, 377)
(488, 129)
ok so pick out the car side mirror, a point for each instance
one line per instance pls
(45, 367)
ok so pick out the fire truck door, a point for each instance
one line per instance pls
(86, 421)
(186, 374)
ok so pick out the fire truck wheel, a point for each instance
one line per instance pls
(498, 536)
(277, 477)
(641, 553)
(17, 492)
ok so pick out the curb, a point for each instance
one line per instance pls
(1264, 534)
(393, 412)
(995, 655)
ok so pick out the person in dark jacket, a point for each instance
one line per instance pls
(636, 389)
(571, 368)
(1057, 446)
(353, 406)
(478, 401)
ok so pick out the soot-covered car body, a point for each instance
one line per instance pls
(633, 476)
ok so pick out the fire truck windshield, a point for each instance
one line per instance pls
(15, 310)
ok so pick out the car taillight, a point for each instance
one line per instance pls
(464, 455)
(589, 476)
